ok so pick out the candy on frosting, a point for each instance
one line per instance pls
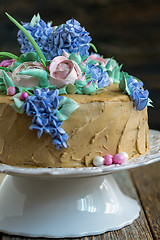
(98, 161)
(23, 96)
(118, 159)
(11, 91)
(108, 159)
(125, 156)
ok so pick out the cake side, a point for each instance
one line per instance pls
(106, 123)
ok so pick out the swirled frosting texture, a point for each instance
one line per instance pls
(103, 123)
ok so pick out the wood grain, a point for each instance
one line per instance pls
(147, 183)
(138, 230)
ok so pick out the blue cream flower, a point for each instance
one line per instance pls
(42, 33)
(43, 106)
(138, 95)
(97, 73)
(52, 40)
(72, 38)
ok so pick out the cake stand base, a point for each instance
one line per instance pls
(64, 207)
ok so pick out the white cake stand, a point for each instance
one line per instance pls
(58, 203)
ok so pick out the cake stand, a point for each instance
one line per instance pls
(58, 203)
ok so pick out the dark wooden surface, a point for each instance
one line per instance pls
(128, 30)
(142, 184)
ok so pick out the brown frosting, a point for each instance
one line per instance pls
(103, 123)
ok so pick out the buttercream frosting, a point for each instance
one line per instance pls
(103, 123)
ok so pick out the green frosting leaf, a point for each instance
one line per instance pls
(35, 19)
(18, 110)
(114, 70)
(29, 57)
(75, 57)
(41, 74)
(98, 91)
(18, 104)
(68, 89)
(83, 68)
(94, 47)
(123, 85)
(7, 80)
(149, 104)
(65, 108)
(90, 87)
(79, 86)
(5, 69)
(2, 88)
(7, 54)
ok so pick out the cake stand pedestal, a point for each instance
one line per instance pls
(64, 207)
(57, 203)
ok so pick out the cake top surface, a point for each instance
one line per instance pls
(57, 71)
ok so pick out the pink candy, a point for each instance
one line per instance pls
(23, 96)
(108, 159)
(118, 159)
(11, 91)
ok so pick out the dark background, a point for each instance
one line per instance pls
(128, 30)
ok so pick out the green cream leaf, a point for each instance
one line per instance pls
(7, 80)
(18, 110)
(90, 88)
(123, 85)
(94, 47)
(10, 55)
(75, 57)
(5, 69)
(41, 74)
(83, 68)
(29, 57)
(18, 102)
(68, 89)
(52, 87)
(2, 88)
(98, 91)
(149, 104)
(62, 90)
(65, 108)
(35, 19)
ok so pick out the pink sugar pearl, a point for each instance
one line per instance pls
(118, 159)
(108, 159)
(11, 91)
(23, 96)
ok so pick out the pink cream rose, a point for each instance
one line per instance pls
(96, 57)
(6, 63)
(26, 81)
(63, 71)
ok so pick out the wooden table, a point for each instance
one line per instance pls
(142, 184)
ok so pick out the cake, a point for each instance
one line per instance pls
(83, 107)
